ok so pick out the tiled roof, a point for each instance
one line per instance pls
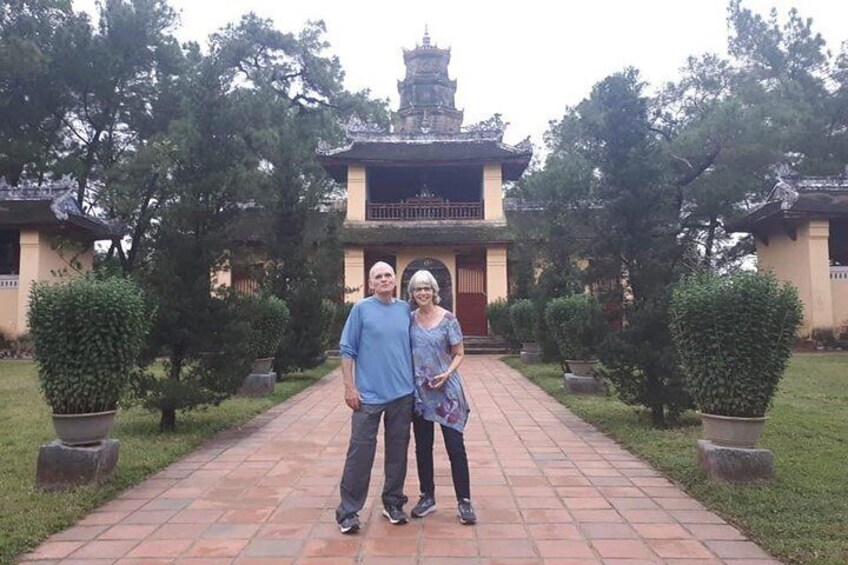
(48, 205)
(432, 148)
(796, 196)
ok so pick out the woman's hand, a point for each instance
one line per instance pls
(439, 380)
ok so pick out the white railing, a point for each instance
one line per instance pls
(9, 281)
(839, 273)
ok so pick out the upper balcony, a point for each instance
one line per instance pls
(422, 208)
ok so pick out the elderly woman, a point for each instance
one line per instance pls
(436, 353)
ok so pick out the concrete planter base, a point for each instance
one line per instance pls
(61, 466)
(582, 367)
(258, 384)
(577, 384)
(735, 464)
(531, 353)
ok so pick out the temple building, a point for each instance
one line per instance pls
(801, 235)
(429, 195)
(44, 235)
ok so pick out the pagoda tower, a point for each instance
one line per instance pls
(427, 93)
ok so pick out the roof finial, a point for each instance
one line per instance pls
(426, 40)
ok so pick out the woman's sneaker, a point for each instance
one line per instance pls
(466, 512)
(426, 505)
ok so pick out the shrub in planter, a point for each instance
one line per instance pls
(524, 315)
(497, 313)
(733, 337)
(267, 317)
(87, 335)
(577, 324)
(524, 318)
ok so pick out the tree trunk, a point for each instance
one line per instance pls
(168, 421)
(657, 415)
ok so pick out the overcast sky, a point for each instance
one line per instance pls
(526, 59)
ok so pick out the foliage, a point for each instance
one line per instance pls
(524, 317)
(306, 337)
(798, 518)
(733, 337)
(207, 356)
(267, 318)
(341, 310)
(639, 362)
(87, 335)
(144, 452)
(497, 313)
(577, 324)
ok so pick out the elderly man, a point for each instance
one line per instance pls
(378, 383)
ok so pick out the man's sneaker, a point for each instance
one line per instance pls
(426, 504)
(395, 515)
(466, 512)
(349, 524)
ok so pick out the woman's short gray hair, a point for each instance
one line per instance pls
(423, 278)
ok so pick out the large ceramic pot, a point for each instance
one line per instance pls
(731, 431)
(262, 366)
(84, 429)
(582, 367)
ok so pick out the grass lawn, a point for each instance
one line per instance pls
(28, 516)
(801, 517)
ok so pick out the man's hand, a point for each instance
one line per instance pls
(352, 398)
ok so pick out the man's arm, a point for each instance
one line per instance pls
(351, 394)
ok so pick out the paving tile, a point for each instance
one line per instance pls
(216, 548)
(622, 549)
(737, 550)
(104, 549)
(128, 532)
(680, 549)
(564, 548)
(53, 550)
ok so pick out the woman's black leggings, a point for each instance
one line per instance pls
(455, 444)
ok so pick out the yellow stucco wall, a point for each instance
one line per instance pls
(354, 269)
(804, 263)
(839, 295)
(497, 284)
(493, 192)
(356, 193)
(44, 257)
(9, 311)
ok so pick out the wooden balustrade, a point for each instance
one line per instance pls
(420, 208)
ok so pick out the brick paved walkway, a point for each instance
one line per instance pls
(548, 489)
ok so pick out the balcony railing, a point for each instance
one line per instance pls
(839, 273)
(424, 208)
(9, 281)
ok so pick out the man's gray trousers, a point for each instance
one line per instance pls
(364, 424)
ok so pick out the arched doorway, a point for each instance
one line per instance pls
(439, 270)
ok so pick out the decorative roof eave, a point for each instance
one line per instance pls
(795, 198)
(50, 205)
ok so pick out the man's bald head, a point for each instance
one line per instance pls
(381, 280)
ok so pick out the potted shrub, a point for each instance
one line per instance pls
(497, 314)
(268, 317)
(524, 317)
(87, 334)
(733, 336)
(577, 325)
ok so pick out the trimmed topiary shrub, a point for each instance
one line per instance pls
(733, 337)
(87, 335)
(268, 317)
(524, 317)
(577, 324)
(497, 313)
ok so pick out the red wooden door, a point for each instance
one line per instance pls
(471, 297)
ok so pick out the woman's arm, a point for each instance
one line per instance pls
(458, 353)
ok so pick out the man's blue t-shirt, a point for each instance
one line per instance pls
(376, 337)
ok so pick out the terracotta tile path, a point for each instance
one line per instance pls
(548, 489)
